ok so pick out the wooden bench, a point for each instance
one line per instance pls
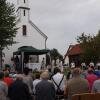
(86, 96)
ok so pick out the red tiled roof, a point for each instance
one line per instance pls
(74, 50)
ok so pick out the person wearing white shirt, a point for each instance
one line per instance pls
(83, 64)
(72, 65)
(57, 77)
(96, 86)
(98, 65)
(91, 64)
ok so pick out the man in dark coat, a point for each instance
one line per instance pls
(19, 90)
(45, 89)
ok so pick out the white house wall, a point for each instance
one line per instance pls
(24, 19)
(33, 38)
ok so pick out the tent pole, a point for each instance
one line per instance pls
(22, 54)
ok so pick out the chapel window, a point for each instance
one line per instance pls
(24, 29)
(24, 12)
(24, 1)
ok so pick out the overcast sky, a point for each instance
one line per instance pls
(63, 20)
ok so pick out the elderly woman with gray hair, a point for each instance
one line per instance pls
(45, 89)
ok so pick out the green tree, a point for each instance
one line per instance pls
(91, 47)
(55, 55)
(97, 44)
(7, 25)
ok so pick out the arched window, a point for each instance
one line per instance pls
(24, 29)
(24, 12)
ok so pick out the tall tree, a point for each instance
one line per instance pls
(91, 46)
(55, 55)
(97, 45)
(7, 25)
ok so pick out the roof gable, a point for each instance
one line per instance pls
(74, 50)
(37, 29)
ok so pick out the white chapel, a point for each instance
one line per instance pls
(28, 33)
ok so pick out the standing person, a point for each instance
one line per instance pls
(98, 65)
(76, 85)
(18, 90)
(3, 87)
(7, 79)
(43, 64)
(97, 72)
(16, 60)
(7, 68)
(45, 89)
(59, 80)
(72, 65)
(83, 64)
(91, 77)
(27, 79)
(96, 86)
(36, 81)
(50, 72)
(91, 64)
(69, 74)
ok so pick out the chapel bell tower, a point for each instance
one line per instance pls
(23, 10)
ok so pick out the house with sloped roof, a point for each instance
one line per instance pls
(74, 54)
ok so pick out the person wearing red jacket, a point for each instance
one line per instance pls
(7, 79)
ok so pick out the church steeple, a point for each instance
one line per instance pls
(23, 10)
(22, 3)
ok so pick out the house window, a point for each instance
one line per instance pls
(24, 30)
(24, 1)
(24, 12)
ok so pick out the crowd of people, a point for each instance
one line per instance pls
(49, 84)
